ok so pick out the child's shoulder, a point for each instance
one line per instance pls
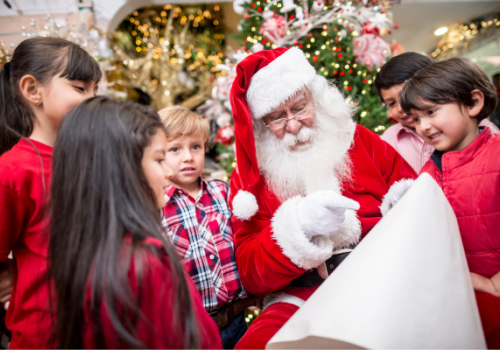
(218, 185)
(18, 165)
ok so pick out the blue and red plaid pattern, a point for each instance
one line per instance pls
(202, 234)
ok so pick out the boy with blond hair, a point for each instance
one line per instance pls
(198, 220)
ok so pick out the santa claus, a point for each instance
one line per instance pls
(308, 185)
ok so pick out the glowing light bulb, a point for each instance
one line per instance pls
(440, 31)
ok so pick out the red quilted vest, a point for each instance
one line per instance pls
(470, 179)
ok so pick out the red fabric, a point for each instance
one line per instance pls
(271, 320)
(23, 229)
(263, 267)
(266, 326)
(156, 328)
(244, 138)
(471, 182)
(489, 311)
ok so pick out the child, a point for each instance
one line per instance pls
(44, 80)
(118, 282)
(198, 220)
(402, 136)
(449, 99)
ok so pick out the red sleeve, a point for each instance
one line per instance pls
(157, 328)
(263, 267)
(13, 218)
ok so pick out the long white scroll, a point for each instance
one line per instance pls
(406, 285)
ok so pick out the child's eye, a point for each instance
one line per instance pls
(431, 112)
(160, 160)
(416, 120)
(196, 147)
(79, 88)
(174, 149)
(392, 104)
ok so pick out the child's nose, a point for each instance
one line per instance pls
(188, 156)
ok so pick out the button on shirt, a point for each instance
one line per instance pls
(412, 148)
(202, 234)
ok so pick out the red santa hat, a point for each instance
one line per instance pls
(264, 80)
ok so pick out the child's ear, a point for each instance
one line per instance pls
(478, 103)
(30, 88)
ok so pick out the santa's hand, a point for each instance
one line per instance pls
(322, 213)
(400, 191)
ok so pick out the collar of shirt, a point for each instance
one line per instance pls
(179, 191)
(408, 130)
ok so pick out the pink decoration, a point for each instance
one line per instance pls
(274, 28)
(371, 50)
(225, 135)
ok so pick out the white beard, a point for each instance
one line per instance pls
(321, 164)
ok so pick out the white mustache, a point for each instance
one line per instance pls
(304, 135)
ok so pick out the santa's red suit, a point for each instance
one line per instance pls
(272, 251)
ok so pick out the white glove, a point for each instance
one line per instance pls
(322, 213)
(400, 191)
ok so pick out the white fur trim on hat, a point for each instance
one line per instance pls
(395, 188)
(293, 241)
(349, 233)
(278, 81)
(281, 297)
(244, 205)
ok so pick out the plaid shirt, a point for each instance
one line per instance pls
(203, 236)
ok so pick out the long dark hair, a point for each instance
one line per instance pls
(100, 195)
(42, 58)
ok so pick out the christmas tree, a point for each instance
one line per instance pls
(341, 39)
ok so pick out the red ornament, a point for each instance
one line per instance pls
(274, 28)
(225, 135)
(370, 28)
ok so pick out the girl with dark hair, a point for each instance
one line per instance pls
(44, 80)
(118, 281)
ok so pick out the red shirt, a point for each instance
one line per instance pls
(22, 224)
(156, 328)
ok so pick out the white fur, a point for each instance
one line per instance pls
(349, 233)
(278, 81)
(244, 205)
(293, 241)
(280, 297)
(323, 163)
(395, 188)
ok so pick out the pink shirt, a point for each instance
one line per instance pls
(412, 148)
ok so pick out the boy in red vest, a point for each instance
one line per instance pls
(448, 100)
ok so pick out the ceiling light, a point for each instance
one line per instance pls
(440, 31)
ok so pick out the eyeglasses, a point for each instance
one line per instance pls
(281, 123)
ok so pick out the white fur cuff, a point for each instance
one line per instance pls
(395, 189)
(281, 297)
(293, 241)
(244, 205)
(350, 231)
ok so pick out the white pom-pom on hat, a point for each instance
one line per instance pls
(244, 205)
